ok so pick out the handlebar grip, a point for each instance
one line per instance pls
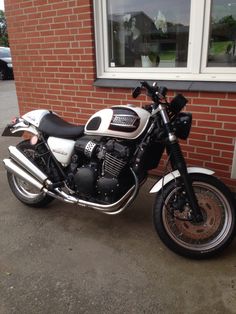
(146, 85)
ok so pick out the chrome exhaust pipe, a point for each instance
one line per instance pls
(21, 160)
(110, 209)
(23, 168)
(12, 167)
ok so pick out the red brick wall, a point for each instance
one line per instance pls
(52, 43)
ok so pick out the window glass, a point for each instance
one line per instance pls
(5, 52)
(151, 33)
(222, 39)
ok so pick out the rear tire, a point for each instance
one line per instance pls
(196, 240)
(23, 191)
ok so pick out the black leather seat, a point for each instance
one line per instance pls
(53, 125)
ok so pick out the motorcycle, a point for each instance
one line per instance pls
(103, 164)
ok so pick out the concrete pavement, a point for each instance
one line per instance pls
(66, 259)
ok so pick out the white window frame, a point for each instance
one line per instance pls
(196, 69)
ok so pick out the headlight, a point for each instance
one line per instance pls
(182, 125)
(9, 65)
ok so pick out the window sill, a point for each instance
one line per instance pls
(171, 85)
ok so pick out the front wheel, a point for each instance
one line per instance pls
(186, 237)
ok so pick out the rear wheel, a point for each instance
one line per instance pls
(24, 191)
(188, 238)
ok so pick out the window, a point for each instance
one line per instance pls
(222, 35)
(148, 37)
(166, 39)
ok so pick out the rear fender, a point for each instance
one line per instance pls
(175, 174)
(17, 129)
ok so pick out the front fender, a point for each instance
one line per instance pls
(175, 174)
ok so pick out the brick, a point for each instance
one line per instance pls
(223, 110)
(224, 147)
(230, 126)
(205, 101)
(216, 166)
(226, 118)
(212, 95)
(228, 103)
(231, 95)
(207, 151)
(223, 161)
(202, 130)
(199, 143)
(219, 139)
(198, 109)
(226, 133)
(227, 155)
(210, 124)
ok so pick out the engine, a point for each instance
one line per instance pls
(101, 168)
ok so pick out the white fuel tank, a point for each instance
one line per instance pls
(120, 121)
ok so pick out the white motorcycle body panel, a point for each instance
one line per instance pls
(34, 117)
(62, 149)
(175, 174)
(119, 121)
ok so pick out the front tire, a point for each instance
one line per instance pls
(23, 191)
(188, 238)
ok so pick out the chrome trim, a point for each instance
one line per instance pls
(12, 167)
(25, 163)
(130, 200)
(23, 125)
(111, 209)
(119, 120)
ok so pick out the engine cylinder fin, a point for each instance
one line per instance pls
(113, 165)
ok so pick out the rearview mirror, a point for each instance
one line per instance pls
(136, 92)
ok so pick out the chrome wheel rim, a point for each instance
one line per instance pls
(26, 189)
(212, 231)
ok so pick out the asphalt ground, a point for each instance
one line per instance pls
(67, 259)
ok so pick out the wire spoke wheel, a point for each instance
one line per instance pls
(23, 190)
(193, 239)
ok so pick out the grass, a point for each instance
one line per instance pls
(219, 47)
(167, 55)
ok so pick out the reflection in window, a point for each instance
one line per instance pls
(151, 33)
(222, 39)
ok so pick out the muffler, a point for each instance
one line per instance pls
(13, 168)
(22, 161)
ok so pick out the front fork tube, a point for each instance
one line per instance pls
(178, 162)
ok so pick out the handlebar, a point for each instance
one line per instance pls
(158, 96)
(154, 92)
